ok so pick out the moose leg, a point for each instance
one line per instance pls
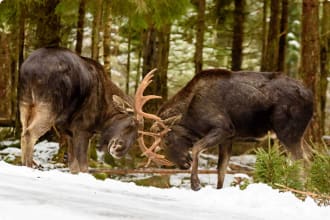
(26, 148)
(36, 121)
(214, 137)
(223, 159)
(290, 128)
(72, 159)
(79, 152)
(194, 180)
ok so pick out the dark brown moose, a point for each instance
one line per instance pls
(218, 107)
(58, 88)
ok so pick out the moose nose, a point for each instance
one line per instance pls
(116, 147)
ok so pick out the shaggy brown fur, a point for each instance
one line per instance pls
(218, 107)
(59, 88)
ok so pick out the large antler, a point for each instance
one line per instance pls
(140, 100)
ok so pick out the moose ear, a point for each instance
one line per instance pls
(122, 105)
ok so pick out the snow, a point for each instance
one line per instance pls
(53, 194)
(34, 194)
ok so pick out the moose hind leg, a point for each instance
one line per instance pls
(289, 126)
(36, 120)
(26, 114)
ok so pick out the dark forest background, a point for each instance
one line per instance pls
(179, 37)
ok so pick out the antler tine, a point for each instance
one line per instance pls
(152, 156)
(140, 100)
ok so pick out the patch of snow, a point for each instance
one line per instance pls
(44, 151)
(11, 151)
(8, 143)
(33, 194)
(294, 43)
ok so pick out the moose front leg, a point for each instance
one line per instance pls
(194, 180)
(78, 152)
(214, 137)
(223, 159)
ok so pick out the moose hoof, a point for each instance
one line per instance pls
(195, 185)
(185, 166)
(74, 167)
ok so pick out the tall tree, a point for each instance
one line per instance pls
(48, 23)
(21, 32)
(97, 18)
(80, 26)
(128, 64)
(200, 29)
(158, 17)
(272, 48)
(238, 35)
(5, 81)
(310, 60)
(222, 12)
(264, 33)
(107, 36)
(283, 34)
(155, 55)
(325, 58)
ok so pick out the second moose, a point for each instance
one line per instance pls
(218, 107)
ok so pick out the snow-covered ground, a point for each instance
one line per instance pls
(32, 194)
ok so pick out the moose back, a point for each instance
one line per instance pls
(218, 107)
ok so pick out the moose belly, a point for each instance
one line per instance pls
(252, 124)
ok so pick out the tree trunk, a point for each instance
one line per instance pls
(21, 32)
(128, 64)
(325, 58)
(20, 58)
(48, 24)
(5, 81)
(80, 26)
(200, 29)
(107, 37)
(283, 34)
(271, 52)
(97, 17)
(264, 34)
(138, 69)
(238, 36)
(310, 60)
(155, 55)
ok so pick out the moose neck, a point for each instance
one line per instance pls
(107, 107)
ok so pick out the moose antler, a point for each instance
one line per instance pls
(140, 100)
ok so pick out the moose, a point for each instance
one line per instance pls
(218, 107)
(60, 89)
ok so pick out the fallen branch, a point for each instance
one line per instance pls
(324, 199)
(155, 171)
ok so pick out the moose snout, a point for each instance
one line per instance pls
(116, 148)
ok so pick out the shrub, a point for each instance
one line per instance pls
(319, 174)
(273, 167)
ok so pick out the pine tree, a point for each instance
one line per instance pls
(273, 167)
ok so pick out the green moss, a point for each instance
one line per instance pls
(157, 181)
(100, 176)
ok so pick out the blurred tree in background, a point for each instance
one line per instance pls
(178, 37)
